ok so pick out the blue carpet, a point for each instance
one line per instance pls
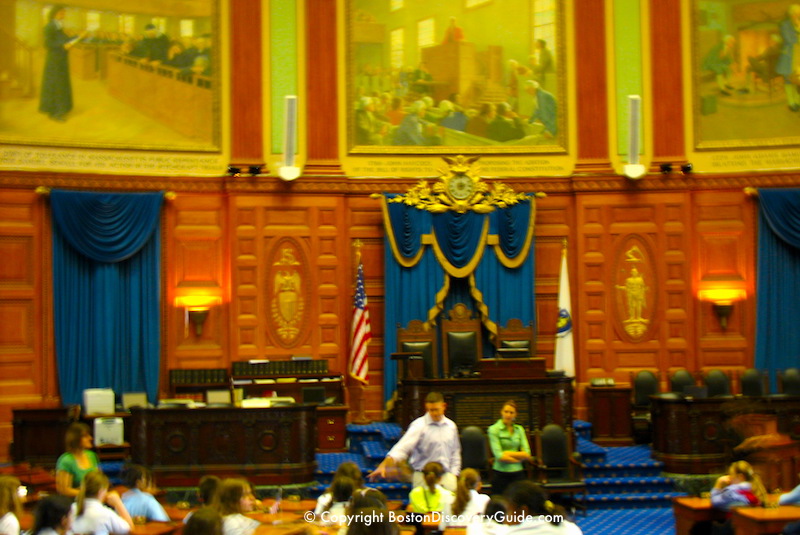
(649, 521)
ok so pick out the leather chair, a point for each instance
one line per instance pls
(559, 469)
(718, 383)
(753, 383)
(475, 451)
(679, 380)
(417, 339)
(789, 382)
(645, 384)
(462, 343)
(516, 336)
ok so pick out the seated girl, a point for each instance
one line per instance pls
(91, 516)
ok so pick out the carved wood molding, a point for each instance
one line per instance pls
(340, 184)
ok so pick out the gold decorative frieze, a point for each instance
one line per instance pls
(288, 288)
(459, 189)
(634, 281)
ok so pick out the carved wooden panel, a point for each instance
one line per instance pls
(27, 368)
(289, 278)
(724, 244)
(194, 263)
(632, 262)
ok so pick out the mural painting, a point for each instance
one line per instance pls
(479, 75)
(746, 69)
(125, 74)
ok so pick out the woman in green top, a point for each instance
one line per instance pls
(78, 461)
(510, 448)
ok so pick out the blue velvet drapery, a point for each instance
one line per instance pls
(106, 291)
(436, 260)
(778, 281)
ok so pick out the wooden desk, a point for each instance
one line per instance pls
(764, 521)
(691, 510)
(697, 436)
(610, 414)
(477, 401)
(155, 528)
(272, 446)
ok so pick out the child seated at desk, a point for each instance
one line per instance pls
(10, 505)
(469, 502)
(91, 516)
(204, 521)
(52, 516)
(740, 486)
(139, 500)
(430, 497)
(234, 498)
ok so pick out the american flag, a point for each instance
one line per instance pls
(359, 367)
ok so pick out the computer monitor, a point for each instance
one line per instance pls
(133, 399)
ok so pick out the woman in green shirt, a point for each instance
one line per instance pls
(510, 448)
(78, 461)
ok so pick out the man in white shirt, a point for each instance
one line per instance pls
(431, 437)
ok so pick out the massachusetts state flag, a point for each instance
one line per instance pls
(359, 367)
(565, 350)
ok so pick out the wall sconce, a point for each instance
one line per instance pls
(722, 300)
(197, 307)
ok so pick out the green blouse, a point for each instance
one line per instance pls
(67, 463)
(501, 440)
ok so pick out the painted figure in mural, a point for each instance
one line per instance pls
(763, 66)
(542, 64)
(414, 130)
(56, 96)
(506, 125)
(453, 33)
(479, 125)
(369, 129)
(719, 60)
(545, 109)
(788, 64)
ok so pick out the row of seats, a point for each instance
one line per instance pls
(556, 465)
(714, 383)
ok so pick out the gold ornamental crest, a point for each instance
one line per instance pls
(459, 189)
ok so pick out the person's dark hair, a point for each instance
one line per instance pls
(351, 470)
(368, 498)
(135, 473)
(204, 521)
(432, 472)
(527, 498)
(372, 521)
(75, 433)
(50, 513)
(434, 397)
(207, 488)
(497, 504)
(510, 403)
(342, 489)
(230, 494)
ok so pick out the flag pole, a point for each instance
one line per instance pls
(356, 383)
